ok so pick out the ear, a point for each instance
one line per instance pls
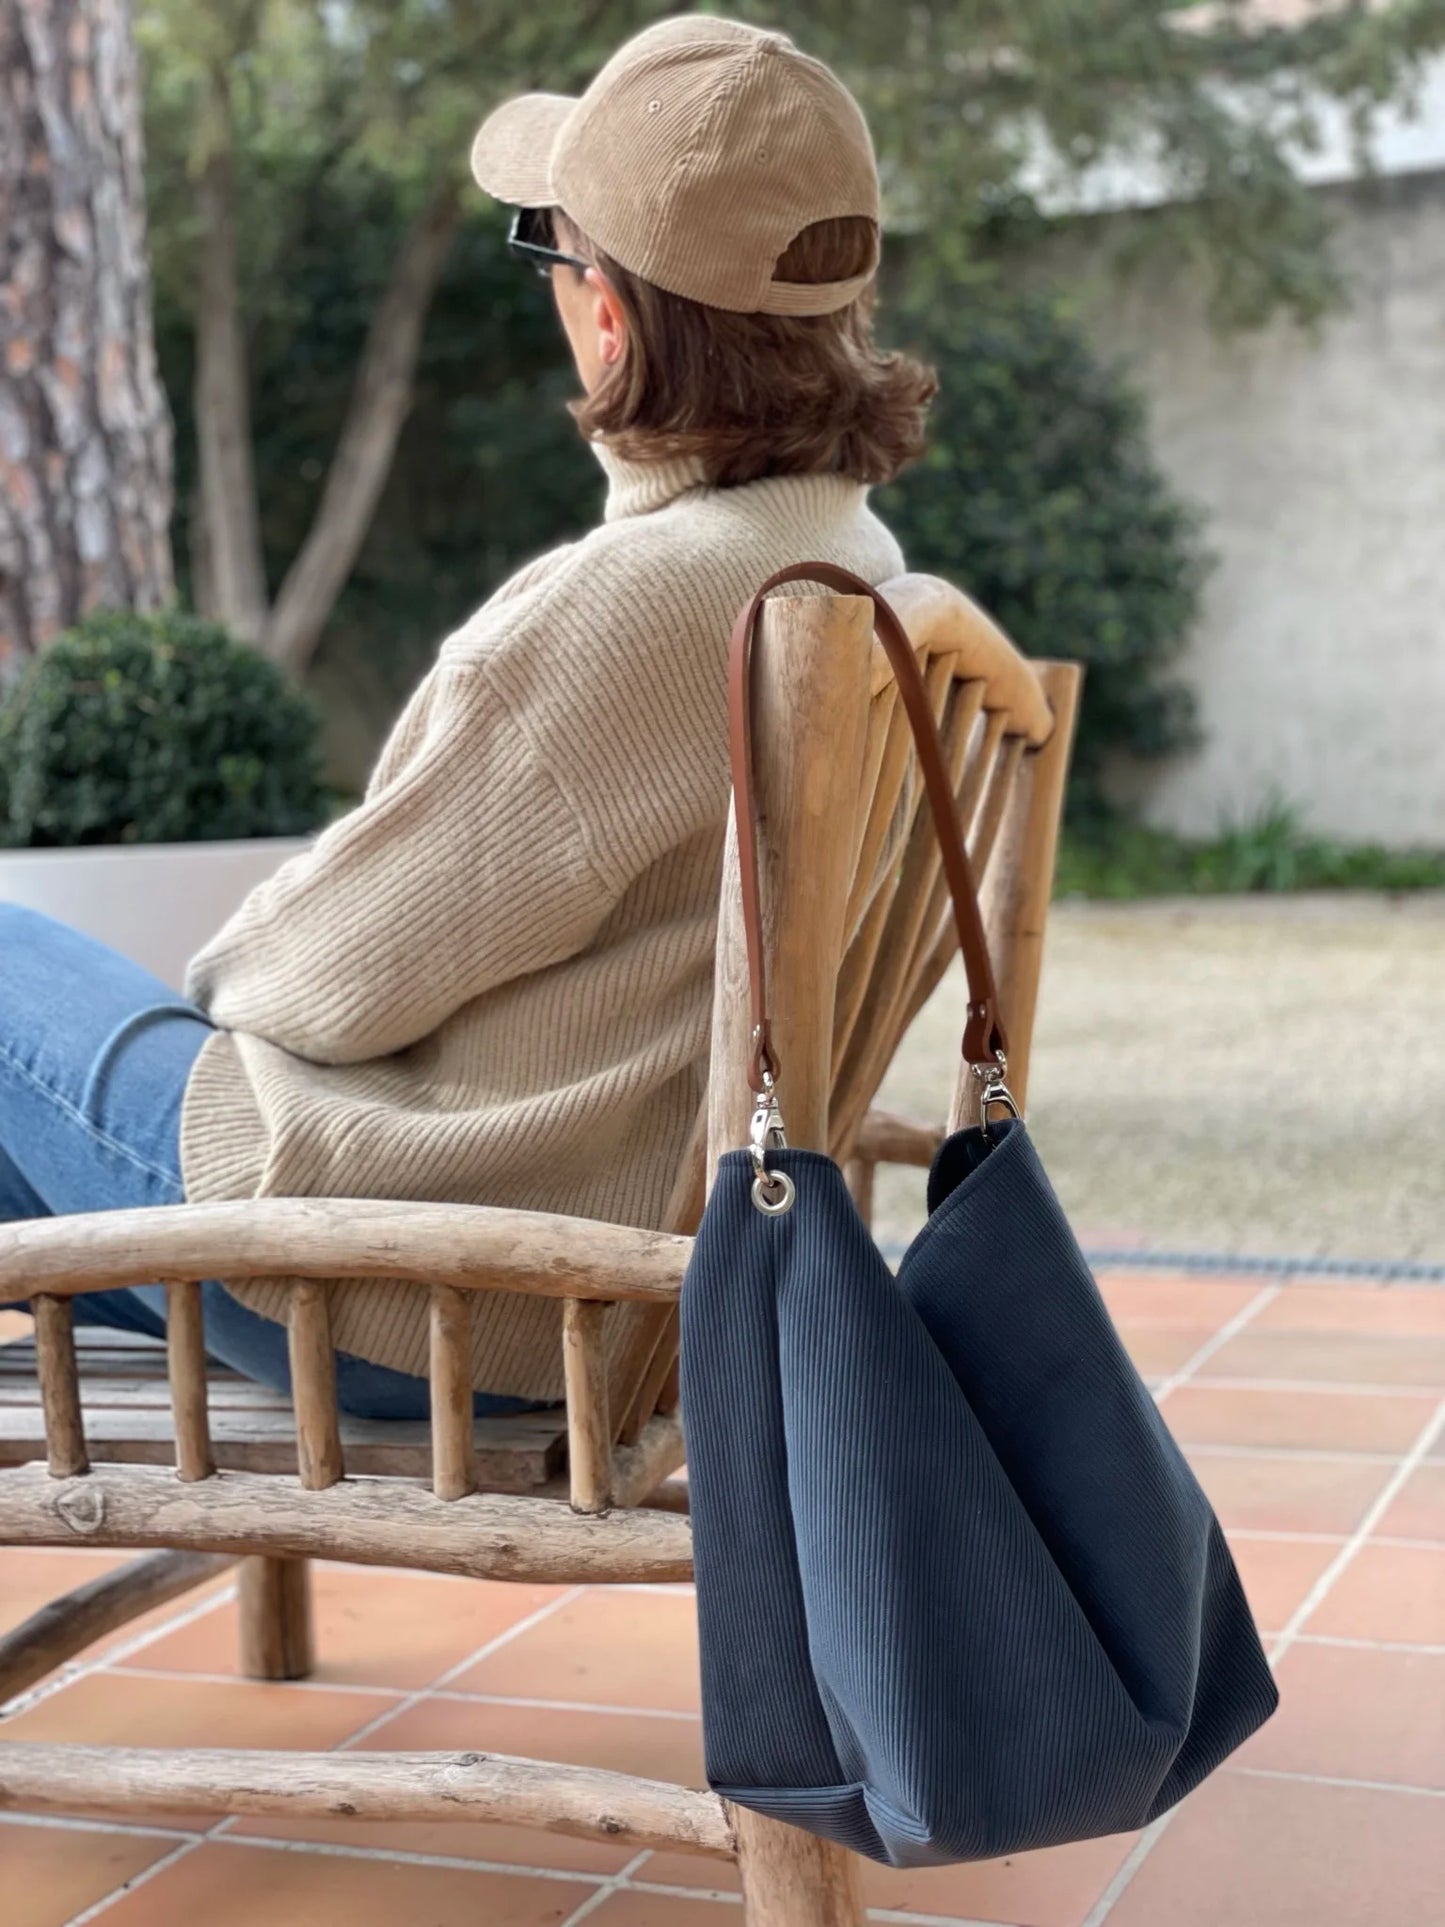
(608, 317)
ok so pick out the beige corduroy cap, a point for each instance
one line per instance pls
(698, 153)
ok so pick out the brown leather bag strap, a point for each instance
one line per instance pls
(983, 1037)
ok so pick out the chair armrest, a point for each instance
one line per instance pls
(474, 1247)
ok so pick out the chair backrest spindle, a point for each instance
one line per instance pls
(589, 1427)
(980, 766)
(59, 1386)
(454, 1452)
(877, 749)
(995, 801)
(313, 1385)
(186, 1367)
(960, 728)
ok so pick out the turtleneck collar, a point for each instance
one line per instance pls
(636, 488)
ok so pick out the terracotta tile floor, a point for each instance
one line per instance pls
(1312, 1411)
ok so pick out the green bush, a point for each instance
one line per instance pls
(1039, 496)
(1271, 851)
(155, 729)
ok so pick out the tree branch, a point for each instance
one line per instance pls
(379, 405)
(231, 573)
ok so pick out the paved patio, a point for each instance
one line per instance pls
(1249, 1078)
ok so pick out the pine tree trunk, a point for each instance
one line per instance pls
(85, 433)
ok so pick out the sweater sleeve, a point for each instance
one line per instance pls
(463, 868)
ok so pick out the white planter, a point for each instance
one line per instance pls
(157, 903)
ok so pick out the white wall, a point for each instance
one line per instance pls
(1319, 665)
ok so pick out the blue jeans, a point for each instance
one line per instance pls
(94, 1058)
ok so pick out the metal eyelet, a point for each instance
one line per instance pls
(773, 1193)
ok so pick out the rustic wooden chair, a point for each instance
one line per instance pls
(113, 1442)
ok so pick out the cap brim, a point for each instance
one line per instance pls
(512, 152)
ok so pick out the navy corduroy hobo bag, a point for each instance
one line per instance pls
(959, 1593)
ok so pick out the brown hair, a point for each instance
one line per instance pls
(761, 394)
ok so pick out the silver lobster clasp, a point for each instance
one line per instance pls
(988, 1087)
(773, 1191)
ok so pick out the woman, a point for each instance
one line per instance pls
(491, 982)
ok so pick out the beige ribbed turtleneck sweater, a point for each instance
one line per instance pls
(491, 983)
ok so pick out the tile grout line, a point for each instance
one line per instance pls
(1231, 1328)
(1320, 1387)
(1394, 1539)
(1316, 1596)
(1376, 1511)
(673, 1891)
(141, 1879)
(185, 1676)
(1123, 1876)
(404, 1857)
(76, 1823)
(1304, 1454)
(1417, 1646)
(320, 1848)
(327, 1849)
(901, 1917)
(614, 1884)
(675, 1715)
(1341, 1780)
(1282, 1534)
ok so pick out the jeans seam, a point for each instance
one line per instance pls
(137, 1021)
(77, 1116)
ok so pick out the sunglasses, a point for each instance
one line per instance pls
(533, 239)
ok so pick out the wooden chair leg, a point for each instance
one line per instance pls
(794, 1879)
(275, 1602)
